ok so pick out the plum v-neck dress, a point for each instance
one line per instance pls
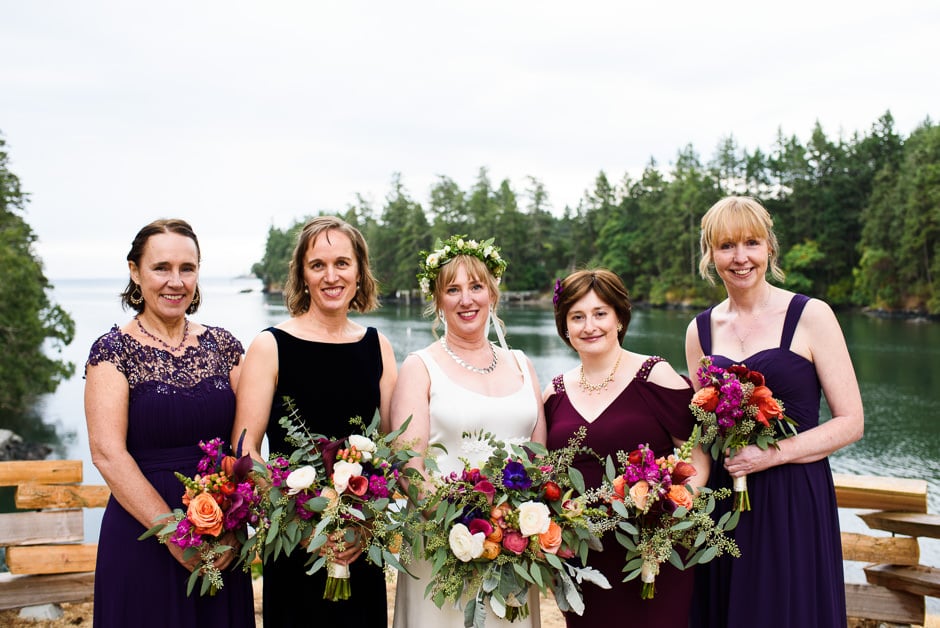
(175, 401)
(790, 569)
(643, 412)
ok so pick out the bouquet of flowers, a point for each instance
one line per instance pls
(493, 531)
(347, 491)
(659, 513)
(222, 497)
(736, 409)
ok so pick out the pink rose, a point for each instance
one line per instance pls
(514, 542)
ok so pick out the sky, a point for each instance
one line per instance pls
(239, 116)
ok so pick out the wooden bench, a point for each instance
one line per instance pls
(896, 582)
(45, 550)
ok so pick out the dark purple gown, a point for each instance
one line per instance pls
(790, 569)
(175, 401)
(643, 413)
(329, 383)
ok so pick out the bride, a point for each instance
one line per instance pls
(462, 383)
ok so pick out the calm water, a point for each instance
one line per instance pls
(895, 361)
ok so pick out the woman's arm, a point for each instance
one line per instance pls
(256, 386)
(411, 398)
(387, 383)
(106, 401)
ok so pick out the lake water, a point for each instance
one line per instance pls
(896, 362)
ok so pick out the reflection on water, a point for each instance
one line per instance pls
(894, 360)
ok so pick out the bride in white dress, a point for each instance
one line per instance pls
(462, 383)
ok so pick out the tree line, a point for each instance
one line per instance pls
(857, 217)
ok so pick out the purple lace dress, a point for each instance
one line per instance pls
(644, 412)
(175, 401)
(790, 569)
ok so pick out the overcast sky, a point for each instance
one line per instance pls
(237, 116)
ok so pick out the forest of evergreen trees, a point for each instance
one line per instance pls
(858, 220)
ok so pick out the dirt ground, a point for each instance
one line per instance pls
(80, 614)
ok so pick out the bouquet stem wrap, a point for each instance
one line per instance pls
(648, 578)
(337, 582)
(742, 501)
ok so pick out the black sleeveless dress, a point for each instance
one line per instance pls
(790, 569)
(329, 383)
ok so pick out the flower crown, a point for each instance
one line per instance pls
(430, 263)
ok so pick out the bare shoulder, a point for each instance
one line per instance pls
(663, 374)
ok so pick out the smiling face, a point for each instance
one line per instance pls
(592, 325)
(331, 272)
(167, 274)
(741, 261)
(465, 301)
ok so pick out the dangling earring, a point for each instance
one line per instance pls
(195, 302)
(136, 297)
(440, 315)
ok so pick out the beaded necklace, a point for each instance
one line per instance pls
(470, 367)
(590, 388)
(160, 340)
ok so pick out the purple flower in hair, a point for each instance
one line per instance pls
(557, 296)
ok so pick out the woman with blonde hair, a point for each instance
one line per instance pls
(790, 569)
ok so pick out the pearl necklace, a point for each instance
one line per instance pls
(590, 388)
(755, 317)
(160, 340)
(470, 367)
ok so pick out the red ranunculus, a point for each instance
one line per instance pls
(635, 457)
(552, 491)
(515, 542)
(756, 378)
(738, 370)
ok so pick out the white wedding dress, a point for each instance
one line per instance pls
(455, 410)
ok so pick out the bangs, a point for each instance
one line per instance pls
(734, 224)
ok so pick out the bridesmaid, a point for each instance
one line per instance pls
(624, 399)
(790, 569)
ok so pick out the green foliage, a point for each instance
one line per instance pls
(857, 220)
(30, 324)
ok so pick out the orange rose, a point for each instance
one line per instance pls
(497, 534)
(639, 493)
(680, 496)
(706, 399)
(550, 541)
(205, 515)
(491, 549)
(767, 406)
(619, 483)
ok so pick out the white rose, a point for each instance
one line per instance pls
(533, 518)
(432, 260)
(487, 251)
(364, 445)
(464, 545)
(342, 471)
(300, 479)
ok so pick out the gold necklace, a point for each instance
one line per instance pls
(590, 388)
(755, 318)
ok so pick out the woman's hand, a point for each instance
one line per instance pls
(751, 459)
(352, 549)
(177, 552)
(228, 556)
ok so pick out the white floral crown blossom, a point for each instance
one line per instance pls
(430, 263)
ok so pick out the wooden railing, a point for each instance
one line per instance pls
(49, 561)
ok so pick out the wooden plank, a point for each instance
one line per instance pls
(917, 579)
(50, 559)
(880, 493)
(20, 591)
(36, 528)
(909, 523)
(874, 602)
(33, 496)
(41, 471)
(899, 550)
